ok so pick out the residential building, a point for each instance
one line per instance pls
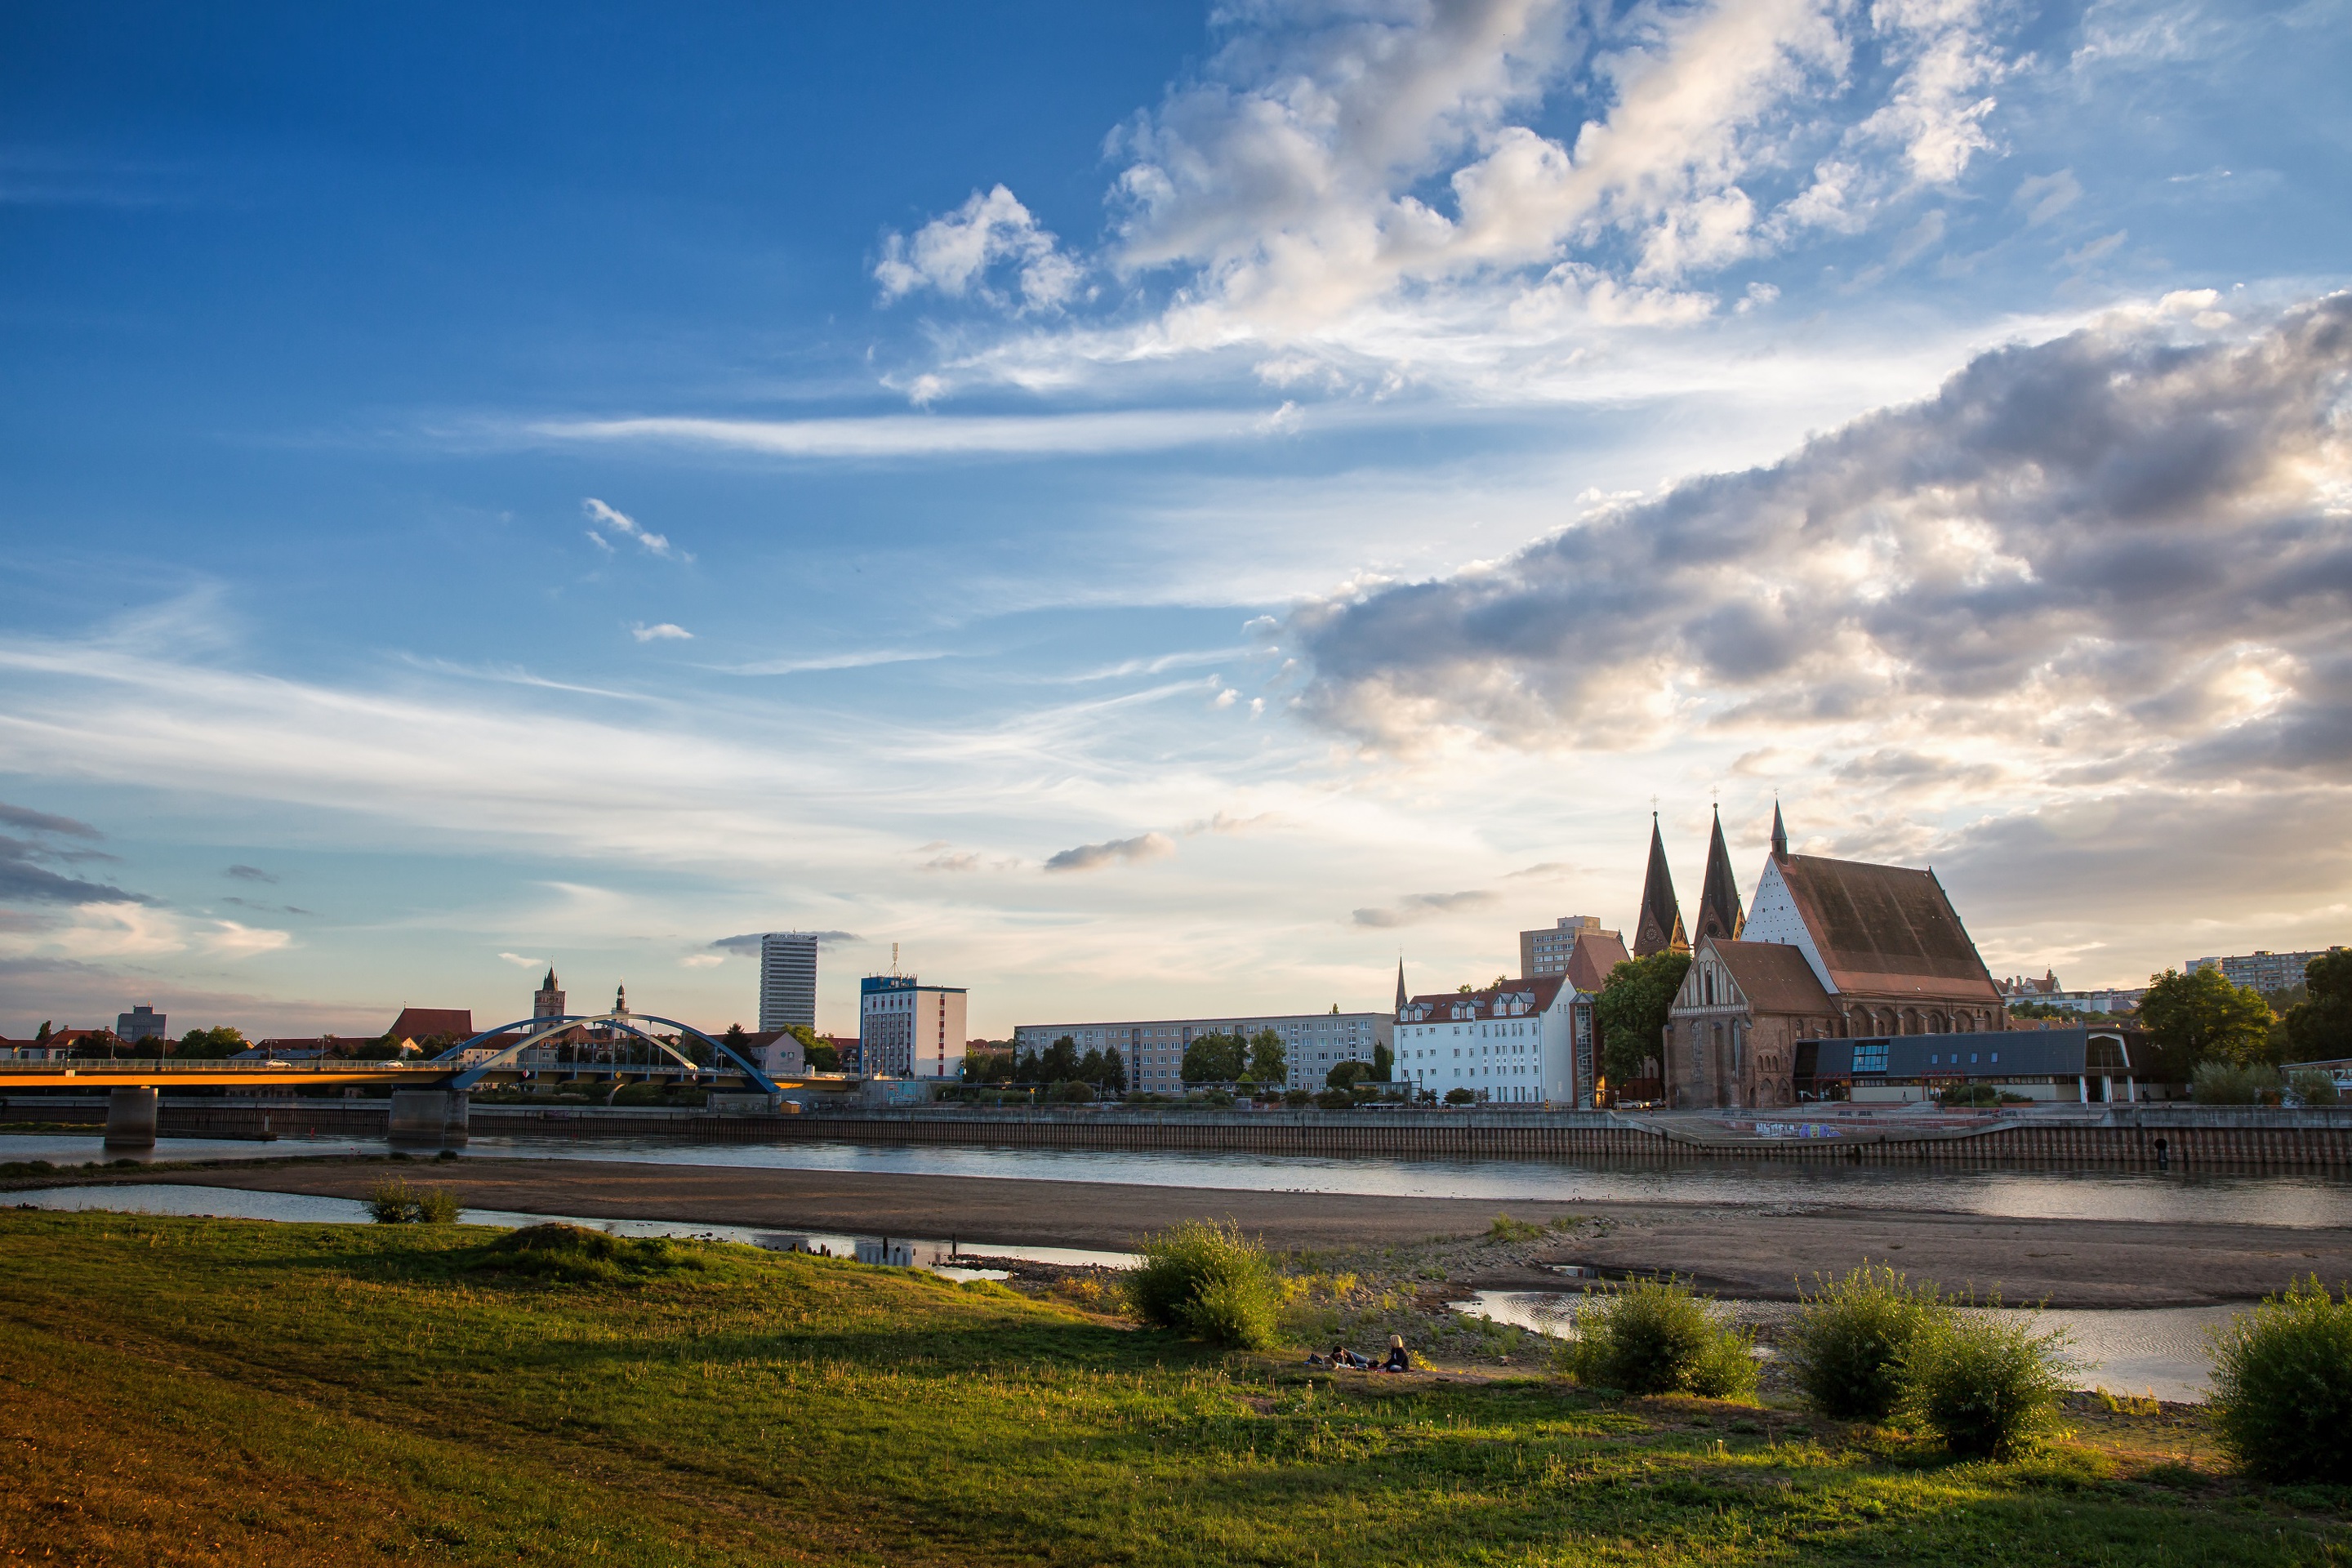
(1154, 1049)
(1578, 947)
(1524, 1042)
(788, 980)
(2261, 968)
(2047, 992)
(775, 1053)
(1659, 927)
(546, 1002)
(2085, 1063)
(908, 1029)
(1831, 949)
(141, 1023)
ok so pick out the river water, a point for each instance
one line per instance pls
(1777, 1187)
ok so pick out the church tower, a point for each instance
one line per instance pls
(1719, 915)
(621, 1000)
(1660, 928)
(1402, 997)
(1780, 834)
(548, 1001)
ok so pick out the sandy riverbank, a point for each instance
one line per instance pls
(1754, 1252)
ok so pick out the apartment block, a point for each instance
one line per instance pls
(1154, 1049)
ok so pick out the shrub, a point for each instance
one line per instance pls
(436, 1205)
(1984, 1382)
(2282, 1403)
(1208, 1280)
(1970, 1094)
(1460, 1096)
(1846, 1346)
(560, 1251)
(1656, 1336)
(2312, 1087)
(394, 1201)
(2234, 1083)
(1335, 1100)
(1297, 1097)
(1072, 1093)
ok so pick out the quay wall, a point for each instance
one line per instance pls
(2180, 1137)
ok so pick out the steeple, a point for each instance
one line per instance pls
(1402, 997)
(1720, 914)
(550, 985)
(1780, 834)
(621, 1001)
(1660, 927)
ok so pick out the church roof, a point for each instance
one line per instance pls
(423, 1023)
(1592, 956)
(1659, 927)
(1511, 999)
(1720, 914)
(1773, 976)
(1885, 930)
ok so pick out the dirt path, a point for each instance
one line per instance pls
(1742, 1252)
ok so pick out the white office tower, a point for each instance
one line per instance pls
(787, 980)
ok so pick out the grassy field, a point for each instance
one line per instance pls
(222, 1391)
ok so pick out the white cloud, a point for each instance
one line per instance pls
(627, 527)
(954, 255)
(520, 961)
(702, 960)
(909, 436)
(664, 631)
(1116, 852)
(2042, 197)
(1414, 908)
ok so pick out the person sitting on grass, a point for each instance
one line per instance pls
(1400, 1359)
(1342, 1356)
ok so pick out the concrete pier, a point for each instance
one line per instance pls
(434, 1118)
(130, 1117)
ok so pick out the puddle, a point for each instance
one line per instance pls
(2155, 1352)
(954, 1258)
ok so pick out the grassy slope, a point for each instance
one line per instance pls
(185, 1391)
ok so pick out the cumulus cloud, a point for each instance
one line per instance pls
(2130, 547)
(606, 522)
(1416, 907)
(955, 254)
(1114, 852)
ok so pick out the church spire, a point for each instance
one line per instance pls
(1660, 928)
(1402, 997)
(1780, 834)
(1720, 914)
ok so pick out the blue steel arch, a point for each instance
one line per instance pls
(537, 1031)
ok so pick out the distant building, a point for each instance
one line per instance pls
(416, 1024)
(1524, 1042)
(787, 980)
(908, 1029)
(1154, 1049)
(141, 1023)
(2086, 1065)
(2047, 992)
(2261, 968)
(1578, 948)
(775, 1053)
(546, 1002)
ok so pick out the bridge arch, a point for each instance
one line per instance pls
(539, 1031)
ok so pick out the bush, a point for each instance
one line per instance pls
(1654, 1336)
(2313, 1087)
(1207, 1280)
(571, 1252)
(2282, 1403)
(1846, 1347)
(1071, 1093)
(1985, 1383)
(1335, 1100)
(1297, 1097)
(394, 1201)
(1970, 1094)
(2234, 1083)
(1460, 1096)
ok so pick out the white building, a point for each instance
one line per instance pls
(787, 980)
(1153, 1049)
(908, 1029)
(1524, 1042)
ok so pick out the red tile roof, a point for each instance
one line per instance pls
(423, 1023)
(1773, 976)
(1886, 931)
(1445, 1007)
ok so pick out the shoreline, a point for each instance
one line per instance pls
(1745, 1252)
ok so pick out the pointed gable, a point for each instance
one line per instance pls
(1594, 954)
(1659, 927)
(1879, 930)
(424, 1023)
(1720, 914)
(1769, 977)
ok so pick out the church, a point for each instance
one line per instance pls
(1830, 949)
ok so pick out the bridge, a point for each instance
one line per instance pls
(428, 1100)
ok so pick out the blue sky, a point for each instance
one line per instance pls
(1153, 511)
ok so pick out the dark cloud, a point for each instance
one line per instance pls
(250, 874)
(748, 943)
(266, 909)
(1415, 906)
(22, 879)
(2148, 534)
(1116, 852)
(33, 821)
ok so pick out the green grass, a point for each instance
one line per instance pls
(223, 1391)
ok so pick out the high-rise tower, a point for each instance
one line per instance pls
(546, 1002)
(1660, 927)
(787, 980)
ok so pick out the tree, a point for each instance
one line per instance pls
(2319, 1027)
(213, 1044)
(1214, 1058)
(1631, 1012)
(1058, 1063)
(1384, 1062)
(989, 1063)
(1269, 1063)
(1347, 1075)
(823, 1056)
(2201, 1017)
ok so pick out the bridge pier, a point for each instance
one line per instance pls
(434, 1117)
(130, 1117)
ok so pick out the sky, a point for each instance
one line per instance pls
(1151, 511)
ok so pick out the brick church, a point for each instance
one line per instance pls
(1831, 950)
